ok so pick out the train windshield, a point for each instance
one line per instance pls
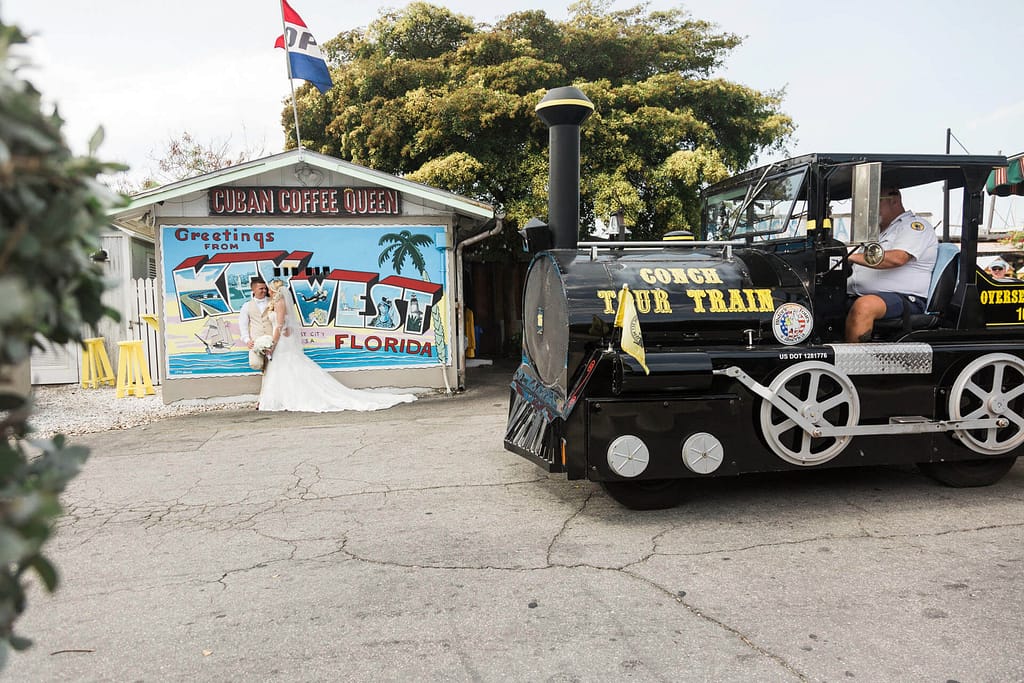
(768, 206)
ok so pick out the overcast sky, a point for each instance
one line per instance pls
(871, 76)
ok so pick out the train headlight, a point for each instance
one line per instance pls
(628, 456)
(702, 453)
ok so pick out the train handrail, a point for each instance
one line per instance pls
(593, 247)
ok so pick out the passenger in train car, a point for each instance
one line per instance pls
(999, 269)
(901, 280)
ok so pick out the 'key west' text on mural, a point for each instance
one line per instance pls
(366, 297)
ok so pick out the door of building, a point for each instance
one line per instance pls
(56, 363)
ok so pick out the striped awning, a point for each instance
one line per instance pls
(1007, 180)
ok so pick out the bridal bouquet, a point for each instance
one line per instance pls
(262, 344)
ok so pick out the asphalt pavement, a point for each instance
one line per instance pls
(408, 545)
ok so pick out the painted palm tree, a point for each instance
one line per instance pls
(404, 246)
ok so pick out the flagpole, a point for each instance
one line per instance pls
(291, 81)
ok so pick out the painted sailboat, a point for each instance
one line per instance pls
(216, 336)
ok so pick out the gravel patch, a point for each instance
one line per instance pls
(69, 409)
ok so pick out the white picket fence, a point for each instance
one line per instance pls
(59, 364)
(145, 299)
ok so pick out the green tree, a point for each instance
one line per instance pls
(52, 209)
(435, 97)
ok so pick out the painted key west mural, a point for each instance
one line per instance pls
(366, 296)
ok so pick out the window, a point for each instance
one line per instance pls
(768, 207)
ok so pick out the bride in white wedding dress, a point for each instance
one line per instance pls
(293, 381)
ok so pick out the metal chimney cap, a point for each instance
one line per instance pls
(565, 105)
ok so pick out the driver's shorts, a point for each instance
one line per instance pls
(894, 303)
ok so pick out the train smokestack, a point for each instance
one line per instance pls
(563, 110)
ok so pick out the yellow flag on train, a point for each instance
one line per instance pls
(632, 340)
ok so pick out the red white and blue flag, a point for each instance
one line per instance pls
(304, 57)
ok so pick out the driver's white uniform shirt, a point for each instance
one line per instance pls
(912, 234)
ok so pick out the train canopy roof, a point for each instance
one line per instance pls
(898, 170)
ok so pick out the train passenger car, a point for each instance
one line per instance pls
(745, 365)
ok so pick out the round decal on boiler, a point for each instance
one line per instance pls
(792, 323)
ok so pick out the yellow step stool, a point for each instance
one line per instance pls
(132, 371)
(96, 368)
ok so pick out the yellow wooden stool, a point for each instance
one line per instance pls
(132, 371)
(96, 368)
(470, 334)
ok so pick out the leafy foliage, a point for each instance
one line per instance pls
(1013, 239)
(52, 209)
(430, 95)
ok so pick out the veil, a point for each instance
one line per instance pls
(291, 330)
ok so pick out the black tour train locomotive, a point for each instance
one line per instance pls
(746, 367)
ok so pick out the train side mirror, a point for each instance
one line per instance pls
(537, 236)
(867, 189)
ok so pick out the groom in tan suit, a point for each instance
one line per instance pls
(254, 321)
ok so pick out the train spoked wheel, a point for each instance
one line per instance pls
(645, 494)
(990, 386)
(821, 394)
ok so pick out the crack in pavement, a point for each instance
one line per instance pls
(826, 537)
(300, 478)
(306, 476)
(695, 611)
(742, 637)
(565, 525)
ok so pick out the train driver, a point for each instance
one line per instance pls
(901, 279)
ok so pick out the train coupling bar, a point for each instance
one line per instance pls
(809, 418)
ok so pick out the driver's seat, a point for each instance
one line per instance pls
(940, 293)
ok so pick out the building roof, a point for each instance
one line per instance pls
(137, 216)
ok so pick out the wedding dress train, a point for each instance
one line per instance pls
(294, 382)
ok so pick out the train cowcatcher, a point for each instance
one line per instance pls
(742, 326)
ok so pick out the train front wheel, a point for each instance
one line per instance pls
(967, 473)
(647, 494)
